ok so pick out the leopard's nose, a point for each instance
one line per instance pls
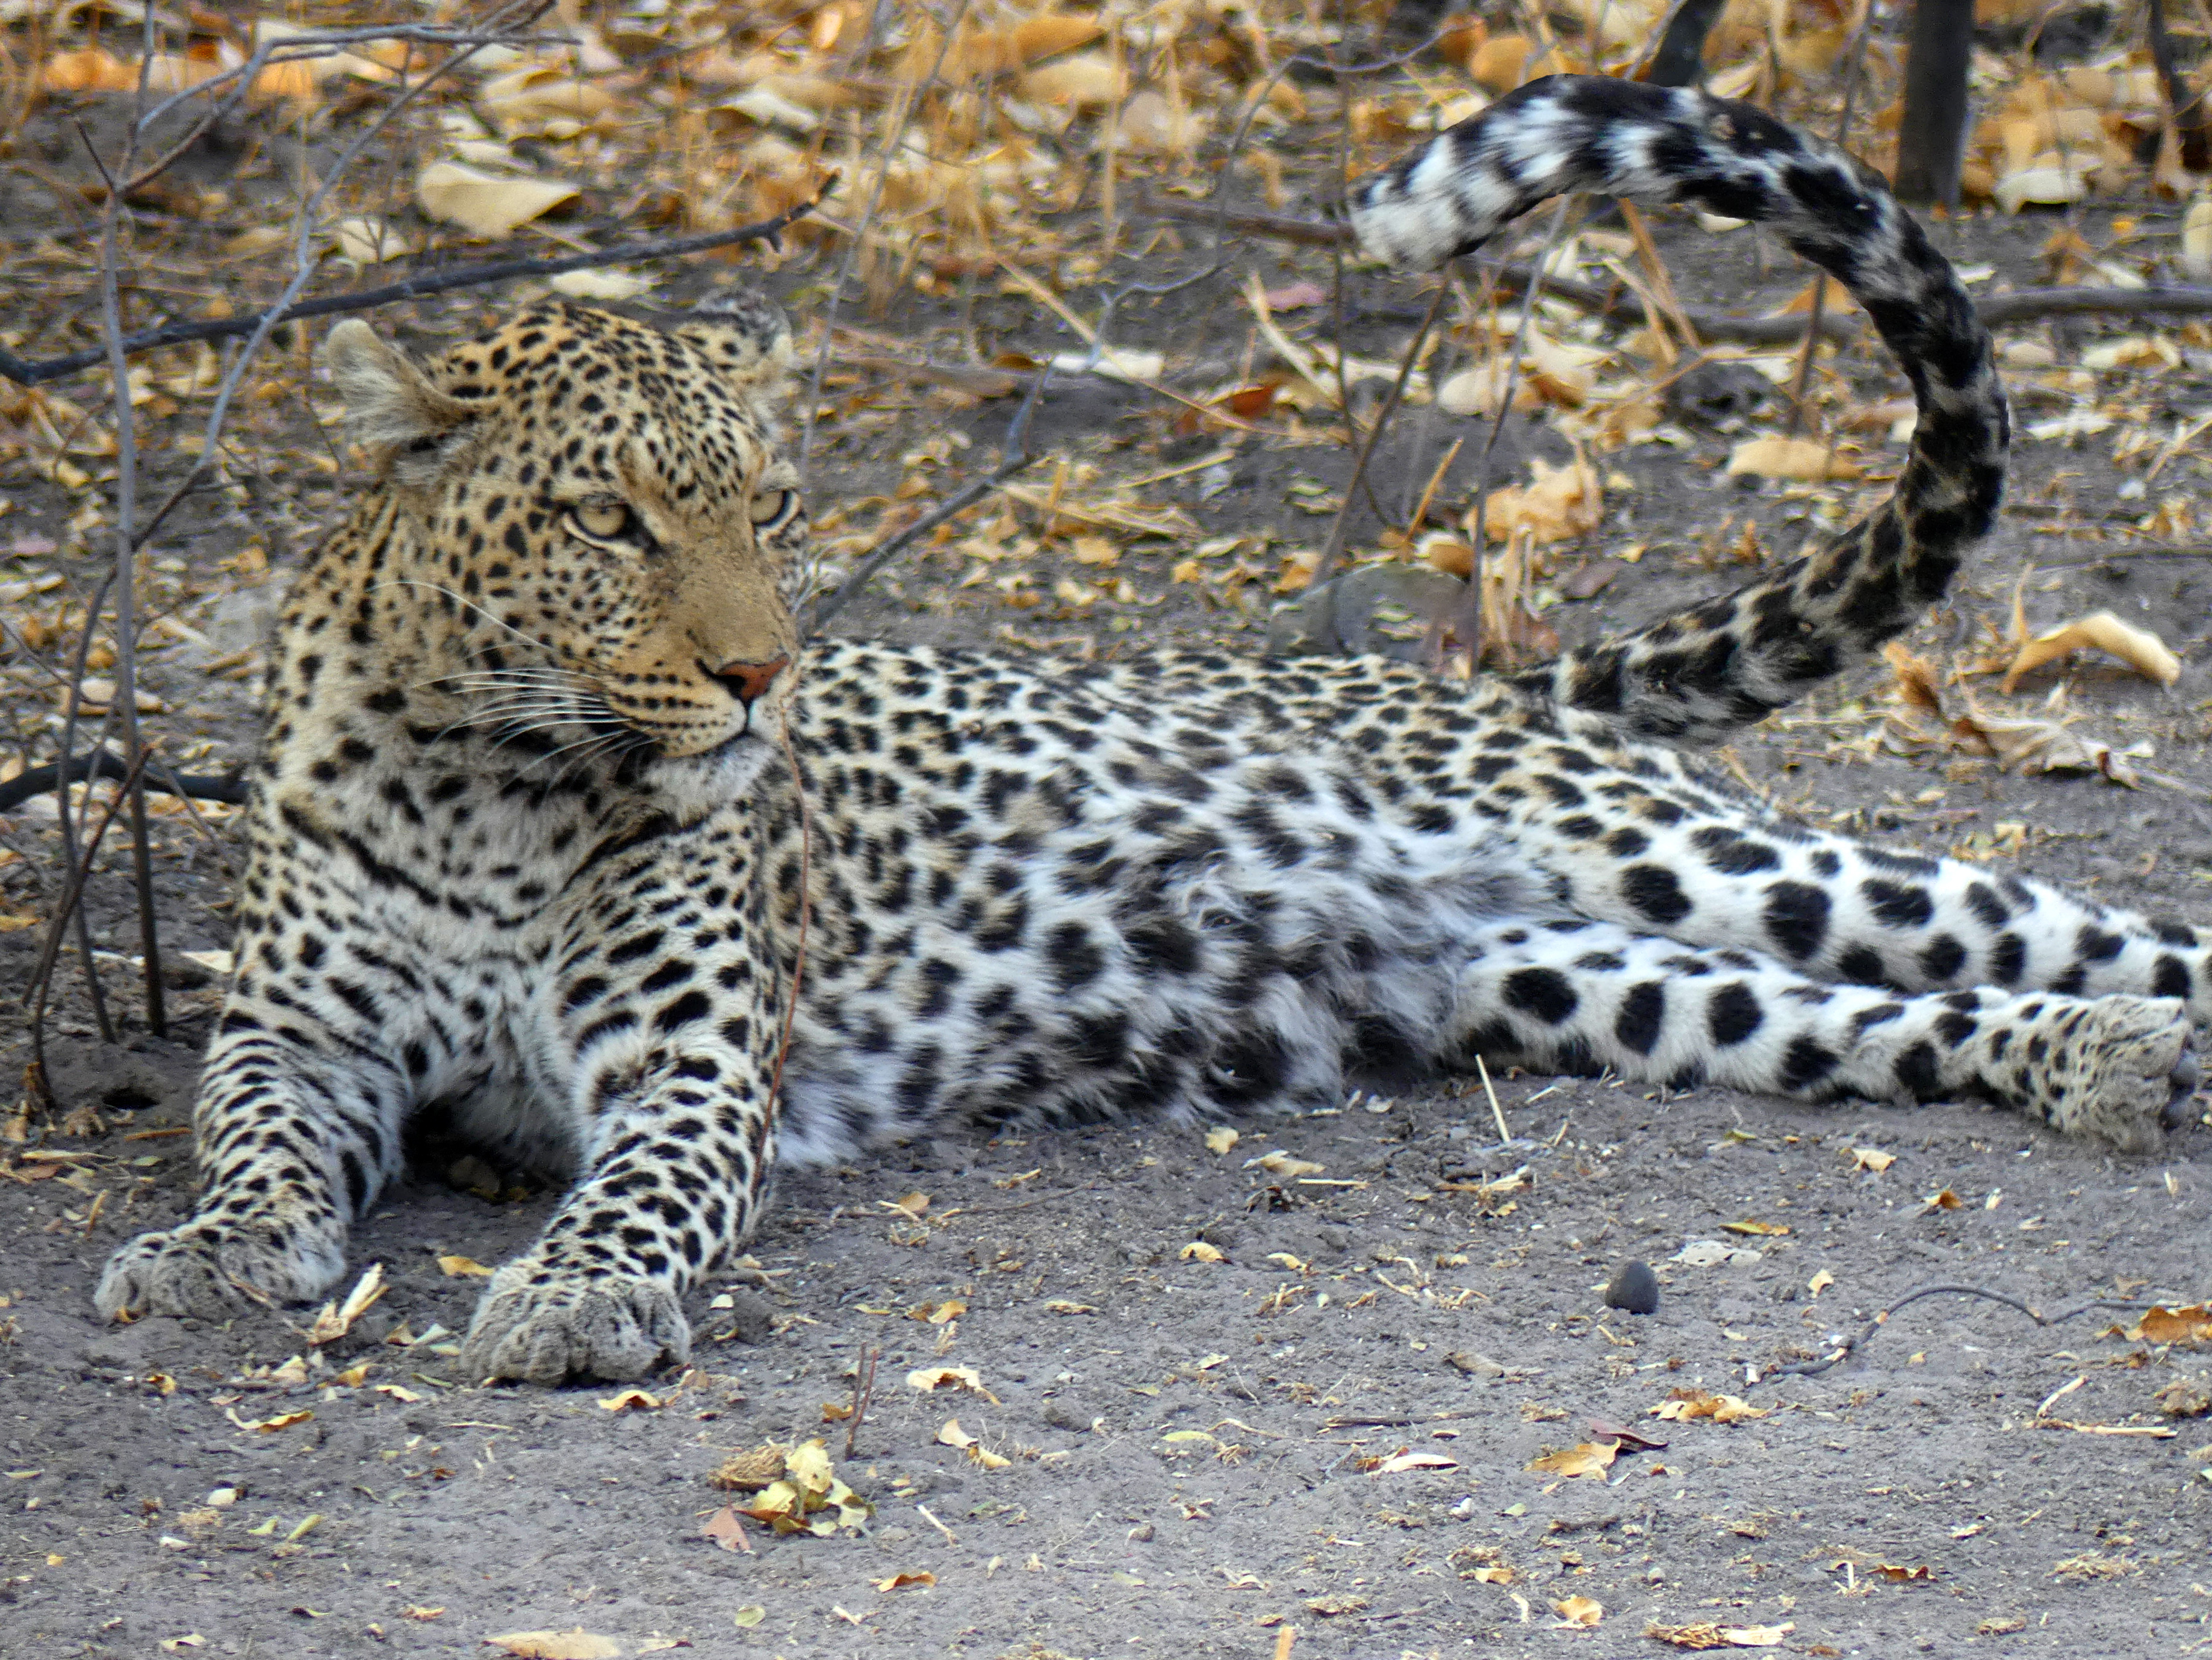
(748, 682)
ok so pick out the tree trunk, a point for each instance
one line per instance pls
(1931, 138)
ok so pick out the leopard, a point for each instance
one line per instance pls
(563, 838)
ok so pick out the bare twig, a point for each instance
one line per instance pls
(24, 372)
(2193, 140)
(1470, 630)
(42, 975)
(864, 1390)
(966, 497)
(1334, 546)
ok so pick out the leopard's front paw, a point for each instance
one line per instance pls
(546, 1325)
(2117, 1069)
(213, 1269)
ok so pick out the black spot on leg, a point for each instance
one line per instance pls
(1955, 1028)
(1896, 905)
(1862, 965)
(1941, 957)
(2170, 978)
(1642, 1017)
(2094, 944)
(1732, 854)
(1918, 1073)
(1545, 994)
(1733, 1014)
(1806, 1063)
(2008, 960)
(1797, 919)
(1655, 892)
(1982, 900)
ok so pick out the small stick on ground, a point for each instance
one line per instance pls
(864, 1389)
(1495, 1111)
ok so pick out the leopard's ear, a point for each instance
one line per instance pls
(390, 402)
(744, 332)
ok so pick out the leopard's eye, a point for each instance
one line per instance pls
(772, 508)
(604, 519)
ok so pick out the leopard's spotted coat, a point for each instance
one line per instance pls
(544, 806)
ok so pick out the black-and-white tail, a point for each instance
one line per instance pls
(1696, 674)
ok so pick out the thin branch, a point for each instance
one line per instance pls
(126, 568)
(42, 978)
(24, 372)
(106, 763)
(1334, 546)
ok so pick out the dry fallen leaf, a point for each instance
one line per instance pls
(1707, 1635)
(625, 1400)
(726, 1530)
(2188, 1325)
(575, 1644)
(1220, 1140)
(958, 1378)
(810, 1497)
(456, 1268)
(1199, 1251)
(1806, 460)
(2139, 648)
(1759, 1230)
(604, 283)
(1559, 503)
(1397, 1463)
(1590, 1458)
(335, 1319)
(896, 1580)
(1871, 1159)
(1578, 1611)
(484, 204)
(1683, 1405)
(1282, 1164)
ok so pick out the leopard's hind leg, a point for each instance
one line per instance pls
(1712, 874)
(1573, 995)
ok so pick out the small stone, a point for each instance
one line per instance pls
(1633, 1287)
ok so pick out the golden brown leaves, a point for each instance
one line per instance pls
(486, 203)
(2139, 648)
(1803, 459)
(574, 1645)
(2190, 1326)
(1683, 1405)
(1590, 1458)
(808, 1497)
(1707, 1635)
(335, 1319)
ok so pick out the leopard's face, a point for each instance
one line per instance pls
(608, 521)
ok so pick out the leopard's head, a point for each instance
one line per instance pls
(596, 509)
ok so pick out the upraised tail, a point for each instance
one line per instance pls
(1694, 675)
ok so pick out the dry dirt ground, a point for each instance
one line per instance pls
(1325, 1421)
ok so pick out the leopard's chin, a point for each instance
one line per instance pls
(694, 784)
